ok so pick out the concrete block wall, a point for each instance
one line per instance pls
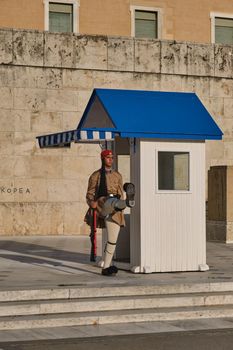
(46, 80)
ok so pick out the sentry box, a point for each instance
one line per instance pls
(159, 143)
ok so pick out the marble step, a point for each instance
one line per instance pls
(119, 316)
(36, 307)
(116, 329)
(113, 290)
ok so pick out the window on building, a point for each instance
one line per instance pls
(221, 28)
(224, 30)
(173, 171)
(146, 24)
(60, 17)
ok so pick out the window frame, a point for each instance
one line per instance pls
(76, 6)
(213, 16)
(178, 150)
(134, 8)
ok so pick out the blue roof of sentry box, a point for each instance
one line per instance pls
(141, 114)
(149, 114)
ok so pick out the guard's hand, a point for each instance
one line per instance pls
(93, 204)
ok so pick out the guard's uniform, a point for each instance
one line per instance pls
(115, 188)
(105, 188)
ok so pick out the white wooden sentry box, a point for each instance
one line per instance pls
(168, 225)
(166, 132)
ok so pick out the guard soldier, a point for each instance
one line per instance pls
(105, 195)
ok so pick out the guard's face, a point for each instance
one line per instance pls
(108, 160)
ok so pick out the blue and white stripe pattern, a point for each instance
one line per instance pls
(66, 137)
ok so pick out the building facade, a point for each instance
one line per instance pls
(46, 79)
(203, 21)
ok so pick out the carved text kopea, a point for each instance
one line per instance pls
(13, 190)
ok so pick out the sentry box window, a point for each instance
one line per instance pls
(173, 171)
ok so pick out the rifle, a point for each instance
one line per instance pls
(93, 236)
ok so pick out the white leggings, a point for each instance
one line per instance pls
(113, 230)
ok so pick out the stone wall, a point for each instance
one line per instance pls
(46, 80)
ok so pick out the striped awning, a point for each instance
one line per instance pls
(64, 138)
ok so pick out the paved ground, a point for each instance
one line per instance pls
(42, 262)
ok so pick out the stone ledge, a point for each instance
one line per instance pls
(99, 52)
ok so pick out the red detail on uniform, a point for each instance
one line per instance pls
(95, 232)
(105, 153)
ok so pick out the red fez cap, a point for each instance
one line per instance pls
(106, 153)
